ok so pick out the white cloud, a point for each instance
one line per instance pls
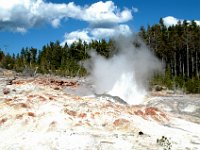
(75, 36)
(96, 34)
(25, 14)
(105, 18)
(99, 33)
(170, 20)
(55, 23)
(197, 22)
(105, 12)
(20, 29)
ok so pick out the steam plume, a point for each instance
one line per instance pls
(126, 73)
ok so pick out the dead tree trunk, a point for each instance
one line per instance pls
(188, 63)
(175, 71)
(197, 69)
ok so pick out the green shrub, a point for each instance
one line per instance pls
(193, 86)
(165, 143)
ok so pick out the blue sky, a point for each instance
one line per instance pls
(26, 23)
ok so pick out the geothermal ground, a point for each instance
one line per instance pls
(58, 113)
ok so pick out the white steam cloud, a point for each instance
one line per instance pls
(126, 73)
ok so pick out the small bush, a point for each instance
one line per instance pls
(165, 143)
(193, 86)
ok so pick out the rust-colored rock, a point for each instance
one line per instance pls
(82, 115)
(70, 112)
(7, 100)
(156, 114)
(56, 88)
(80, 123)
(6, 91)
(61, 83)
(18, 82)
(23, 105)
(31, 114)
(51, 98)
(163, 115)
(121, 123)
(77, 98)
(96, 114)
(3, 120)
(151, 111)
(31, 96)
(52, 123)
(139, 113)
(19, 116)
(148, 113)
(42, 98)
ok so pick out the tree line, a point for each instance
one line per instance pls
(177, 46)
(54, 58)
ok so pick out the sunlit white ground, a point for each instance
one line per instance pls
(36, 116)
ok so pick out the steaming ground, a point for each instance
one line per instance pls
(40, 113)
(126, 73)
